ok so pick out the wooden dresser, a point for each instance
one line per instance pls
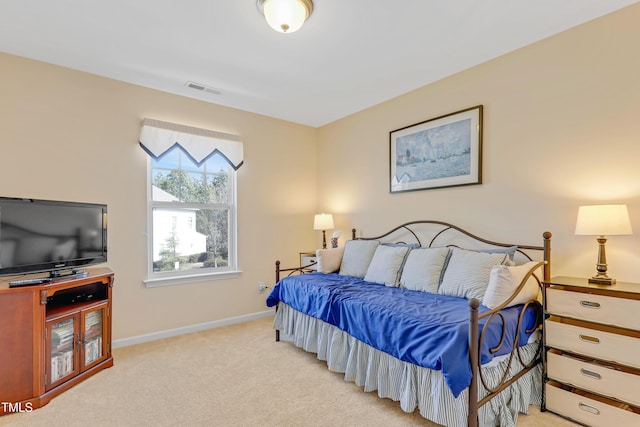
(52, 336)
(592, 351)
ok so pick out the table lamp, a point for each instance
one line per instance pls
(323, 222)
(601, 220)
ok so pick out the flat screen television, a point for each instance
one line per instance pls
(50, 236)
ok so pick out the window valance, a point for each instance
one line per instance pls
(158, 137)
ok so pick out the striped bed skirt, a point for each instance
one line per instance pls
(413, 386)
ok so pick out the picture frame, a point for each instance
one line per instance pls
(445, 151)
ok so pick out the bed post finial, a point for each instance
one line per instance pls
(353, 234)
(547, 255)
(473, 356)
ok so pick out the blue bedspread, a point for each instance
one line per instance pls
(425, 329)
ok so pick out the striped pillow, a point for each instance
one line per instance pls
(423, 268)
(467, 273)
(386, 265)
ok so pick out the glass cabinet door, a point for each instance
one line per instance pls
(93, 335)
(62, 349)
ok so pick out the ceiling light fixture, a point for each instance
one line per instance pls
(285, 16)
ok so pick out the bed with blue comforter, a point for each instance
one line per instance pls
(455, 361)
(428, 330)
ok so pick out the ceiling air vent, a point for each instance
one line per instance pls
(203, 88)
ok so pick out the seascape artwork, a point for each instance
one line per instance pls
(442, 152)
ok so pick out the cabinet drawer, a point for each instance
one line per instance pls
(602, 345)
(593, 377)
(594, 308)
(587, 410)
(306, 260)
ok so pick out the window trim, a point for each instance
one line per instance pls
(191, 278)
(155, 279)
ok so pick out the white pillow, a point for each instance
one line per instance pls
(503, 281)
(357, 256)
(467, 273)
(422, 270)
(386, 265)
(329, 260)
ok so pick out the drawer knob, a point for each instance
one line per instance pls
(590, 304)
(590, 374)
(589, 409)
(589, 338)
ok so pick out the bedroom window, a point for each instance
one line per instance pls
(191, 212)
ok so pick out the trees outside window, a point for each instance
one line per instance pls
(192, 215)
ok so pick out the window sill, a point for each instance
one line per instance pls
(189, 278)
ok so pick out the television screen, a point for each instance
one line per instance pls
(45, 235)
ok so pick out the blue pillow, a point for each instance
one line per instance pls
(402, 245)
(510, 250)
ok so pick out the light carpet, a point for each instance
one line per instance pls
(231, 376)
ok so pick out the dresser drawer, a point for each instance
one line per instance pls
(593, 377)
(308, 259)
(594, 308)
(587, 410)
(602, 345)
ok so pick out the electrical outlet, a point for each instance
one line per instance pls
(261, 287)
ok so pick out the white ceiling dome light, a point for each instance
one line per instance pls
(285, 16)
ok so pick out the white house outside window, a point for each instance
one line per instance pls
(183, 195)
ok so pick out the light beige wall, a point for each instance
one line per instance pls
(70, 135)
(561, 129)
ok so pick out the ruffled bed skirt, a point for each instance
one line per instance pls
(411, 385)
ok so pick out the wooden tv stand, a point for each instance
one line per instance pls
(52, 336)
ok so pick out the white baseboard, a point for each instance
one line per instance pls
(139, 339)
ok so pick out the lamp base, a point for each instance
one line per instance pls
(602, 280)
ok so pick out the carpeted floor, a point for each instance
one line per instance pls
(232, 376)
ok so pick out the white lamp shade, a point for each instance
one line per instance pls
(323, 222)
(603, 220)
(285, 16)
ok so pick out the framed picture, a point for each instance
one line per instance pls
(442, 152)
